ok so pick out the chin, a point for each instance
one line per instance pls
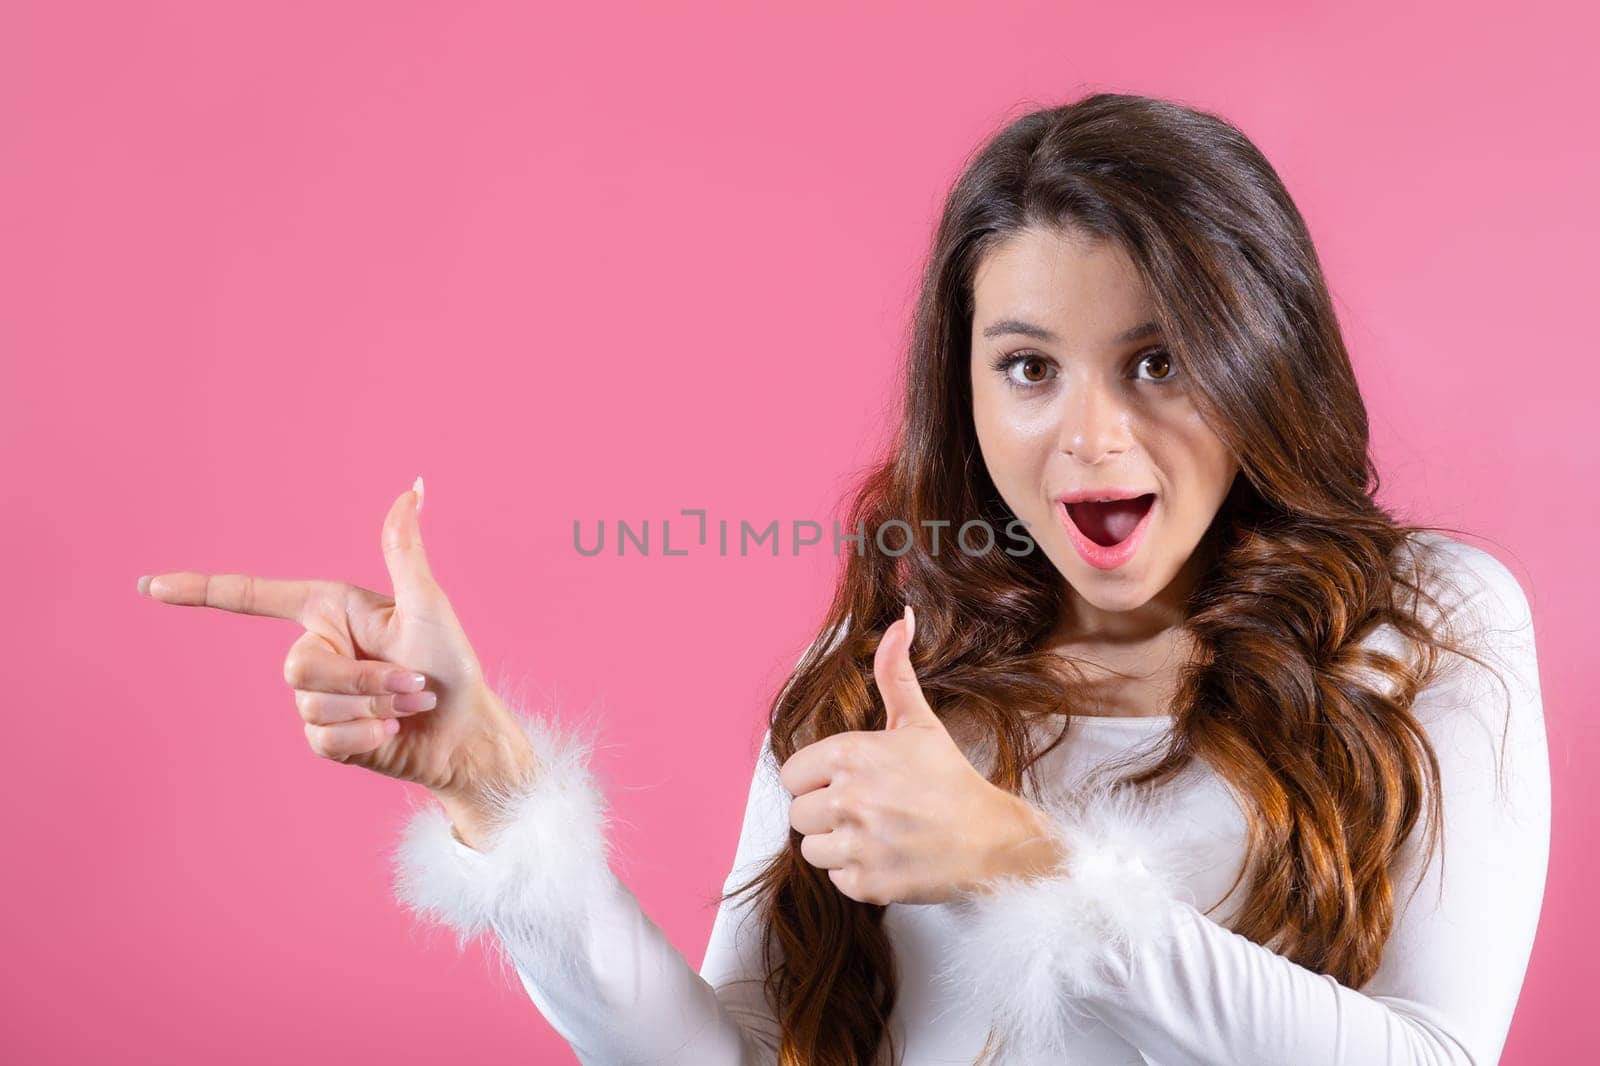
(1122, 596)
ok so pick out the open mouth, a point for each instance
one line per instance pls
(1110, 523)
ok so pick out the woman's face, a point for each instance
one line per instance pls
(1073, 391)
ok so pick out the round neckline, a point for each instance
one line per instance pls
(1166, 719)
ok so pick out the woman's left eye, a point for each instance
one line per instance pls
(1163, 358)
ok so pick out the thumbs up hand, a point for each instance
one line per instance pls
(900, 815)
(387, 683)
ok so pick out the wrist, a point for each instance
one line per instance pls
(1028, 848)
(493, 765)
(470, 823)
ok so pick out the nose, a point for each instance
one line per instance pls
(1095, 423)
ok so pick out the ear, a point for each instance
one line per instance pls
(896, 679)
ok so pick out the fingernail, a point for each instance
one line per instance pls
(412, 702)
(416, 487)
(144, 585)
(911, 625)
(391, 726)
(404, 681)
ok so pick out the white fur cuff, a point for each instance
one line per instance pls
(543, 859)
(1031, 946)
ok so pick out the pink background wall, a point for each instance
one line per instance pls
(262, 267)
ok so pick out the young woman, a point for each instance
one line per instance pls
(1169, 777)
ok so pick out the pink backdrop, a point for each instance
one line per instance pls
(263, 267)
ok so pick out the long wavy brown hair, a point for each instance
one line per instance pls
(1311, 730)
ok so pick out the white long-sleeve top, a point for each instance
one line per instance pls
(1119, 958)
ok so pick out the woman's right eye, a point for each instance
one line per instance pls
(1034, 369)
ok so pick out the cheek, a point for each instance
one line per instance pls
(1014, 444)
(990, 419)
(1012, 437)
(1193, 454)
(1005, 417)
(1214, 462)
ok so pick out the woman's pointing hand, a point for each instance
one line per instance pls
(390, 684)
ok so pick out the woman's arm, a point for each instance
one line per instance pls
(600, 971)
(732, 963)
(1113, 937)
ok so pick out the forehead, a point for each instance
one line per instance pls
(1084, 289)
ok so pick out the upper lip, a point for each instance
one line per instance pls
(1085, 495)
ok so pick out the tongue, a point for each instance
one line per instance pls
(1109, 523)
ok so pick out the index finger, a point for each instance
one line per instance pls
(814, 766)
(239, 593)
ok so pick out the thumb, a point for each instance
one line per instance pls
(403, 553)
(903, 701)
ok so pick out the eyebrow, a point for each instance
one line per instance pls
(1004, 326)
